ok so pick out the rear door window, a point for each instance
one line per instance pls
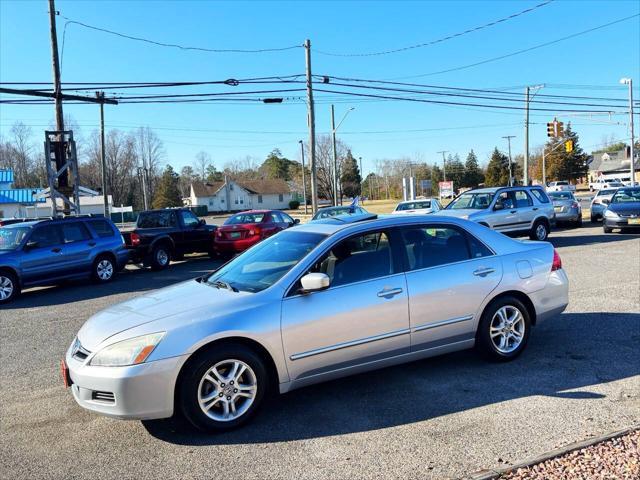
(522, 199)
(540, 195)
(157, 220)
(432, 245)
(102, 228)
(74, 232)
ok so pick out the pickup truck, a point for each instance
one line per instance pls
(561, 186)
(162, 235)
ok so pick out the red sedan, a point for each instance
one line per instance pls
(245, 229)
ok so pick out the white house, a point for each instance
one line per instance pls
(233, 195)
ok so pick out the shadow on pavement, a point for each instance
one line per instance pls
(565, 356)
(133, 279)
(590, 238)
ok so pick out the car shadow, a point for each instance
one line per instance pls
(132, 279)
(590, 238)
(557, 362)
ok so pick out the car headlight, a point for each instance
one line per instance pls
(127, 352)
(610, 214)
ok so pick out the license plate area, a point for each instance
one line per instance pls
(234, 235)
(557, 209)
(634, 221)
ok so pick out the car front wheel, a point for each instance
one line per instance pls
(539, 231)
(504, 329)
(223, 388)
(9, 287)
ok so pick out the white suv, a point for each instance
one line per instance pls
(514, 210)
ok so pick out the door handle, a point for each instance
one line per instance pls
(56, 250)
(513, 211)
(389, 292)
(483, 272)
(92, 244)
(535, 208)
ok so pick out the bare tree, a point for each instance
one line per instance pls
(18, 155)
(203, 160)
(150, 152)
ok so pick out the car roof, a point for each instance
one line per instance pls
(417, 200)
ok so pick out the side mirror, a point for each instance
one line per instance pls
(313, 282)
(498, 206)
(296, 221)
(31, 244)
(606, 201)
(202, 221)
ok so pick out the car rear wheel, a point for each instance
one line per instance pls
(579, 221)
(103, 269)
(160, 257)
(504, 329)
(539, 231)
(9, 287)
(223, 388)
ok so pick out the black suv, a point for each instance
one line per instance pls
(162, 235)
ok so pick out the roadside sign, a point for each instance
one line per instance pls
(446, 189)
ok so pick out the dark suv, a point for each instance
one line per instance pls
(42, 252)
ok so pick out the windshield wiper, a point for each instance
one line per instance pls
(225, 285)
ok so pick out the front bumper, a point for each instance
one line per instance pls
(620, 222)
(137, 392)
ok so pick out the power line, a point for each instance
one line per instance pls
(518, 52)
(175, 45)
(439, 40)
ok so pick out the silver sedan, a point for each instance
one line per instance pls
(320, 301)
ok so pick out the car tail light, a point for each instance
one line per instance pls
(574, 205)
(219, 233)
(557, 261)
(135, 239)
(255, 231)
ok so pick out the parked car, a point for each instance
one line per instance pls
(45, 252)
(512, 210)
(243, 230)
(560, 186)
(566, 207)
(327, 212)
(624, 210)
(602, 183)
(427, 205)
(168, 234)
(600, 201)
(313, 303)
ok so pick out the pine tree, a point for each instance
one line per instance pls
(497, 170)
(168, 190)
(473, 175)
(455, 170)
(350, 179)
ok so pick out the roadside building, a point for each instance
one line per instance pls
(233, 195)
(612, 163)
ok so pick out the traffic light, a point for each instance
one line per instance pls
(559, 129)
(551, 129)
(555, 129)
(568, 146)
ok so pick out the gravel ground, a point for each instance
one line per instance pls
(615, 459)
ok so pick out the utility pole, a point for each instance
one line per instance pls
(103, 161)
(304, 175)
(444, 165)
(361, 177)
(311, 120)
(509, 137)
(526, 141)
(335, 157)
(629, 81)
(56, 66)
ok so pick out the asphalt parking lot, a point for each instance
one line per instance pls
(438, 418)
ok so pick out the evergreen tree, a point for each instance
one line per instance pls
(560, 164)
(277, 166)
(473, 175)
(168, 190)
(497, 170)
(350, 179)
(455, 171)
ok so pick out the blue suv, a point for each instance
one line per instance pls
(42, 252)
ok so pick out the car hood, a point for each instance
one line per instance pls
(190, 296)
(459, 213)
(625, 208)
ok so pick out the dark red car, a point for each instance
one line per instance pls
(245, 229)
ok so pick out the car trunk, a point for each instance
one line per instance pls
(237, 231)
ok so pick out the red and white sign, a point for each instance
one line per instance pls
(446, 189)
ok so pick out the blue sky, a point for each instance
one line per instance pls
(598, 59)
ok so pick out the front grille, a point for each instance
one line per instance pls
(79, 352)
(627, 215)
(106, 397)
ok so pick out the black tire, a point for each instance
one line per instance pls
(103, 269)
(192, 381)
(9, 286)
(606, 229)
(484, 343)
(536, 230)
(160, 257)
(594, 219)
(578, 223)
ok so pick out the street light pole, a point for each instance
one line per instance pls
(304, 174)
(444, 165)
(629, 81)
(311, 119)
(509, 137)
(337, 191)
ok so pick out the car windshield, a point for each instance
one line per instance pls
(245, 218)
(561, 183)
(477, 201)
(332, 212)
(561, 195)
(615, 184)
(608, 191)
(414, 205)
(11, 236)
(626, 195)
(263, 265)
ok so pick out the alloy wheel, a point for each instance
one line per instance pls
(6, 287)
(227, 390)
(541, 232)
(162, 257)
(507, 329)
(104, 269)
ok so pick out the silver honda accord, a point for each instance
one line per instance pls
(316, 302)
